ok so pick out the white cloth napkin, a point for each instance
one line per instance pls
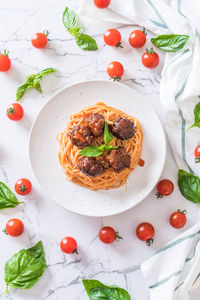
(172, 273)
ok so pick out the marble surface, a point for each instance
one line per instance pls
(44, 220)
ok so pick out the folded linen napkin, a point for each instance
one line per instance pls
(172, 273)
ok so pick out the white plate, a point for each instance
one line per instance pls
(43, 149)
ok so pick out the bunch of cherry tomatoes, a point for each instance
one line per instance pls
(144, 231)
(150, 59)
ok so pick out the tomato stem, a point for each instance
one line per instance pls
(159, 195)
(22, 188)
(11, 111)
(46, 32)
(119, 45)
(197, 160)
(117, 236)
(115, 78)
(5, 52)
(151, 51)
(149, 242)
(144, 30)
(183, 211)
(75, 251)
(4, 231)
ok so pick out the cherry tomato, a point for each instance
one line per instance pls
(23, 186)
(15, 112)
(145, 232)
(5, 62)
(14, 227)
(150, 59)
(40, 40)
(102, 3)
(68, 245)
(115, 70)
(164, 188)
(141, 162)
(197, 154)
(108, 235)
(112, 37)
(137, 38)
(178, 219)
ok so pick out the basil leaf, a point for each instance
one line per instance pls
(96, 291)
(33, 81)
(196, 116)
(86, 42)
(170, 42)
(45, 72)
(25, 268)
(92, 151)
(7, 198)
(69, 19)
(189, 186)
(22, 89)
(108, 137)
(109, 147)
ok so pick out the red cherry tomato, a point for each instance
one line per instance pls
(115, 70)
(137, 38)
(68, 245)
(5, 62)
(14, 227)
(165, 187)
(197, 154)
(102, 3)
(145, 232)
(178, 219)
(40, 40)
(141, 162)
(23, 186)
(15, 112)
(112, 37)
(108, 235)
(150, 59)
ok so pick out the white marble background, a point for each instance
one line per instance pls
(44, 220)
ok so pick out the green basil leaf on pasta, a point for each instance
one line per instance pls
(196, 116)
(109, 147)
(25, 268)
(108, 137)
(170, 42)
(189, 186)
(97, 290)
(92, 151)
(86, 42)
(7, 198)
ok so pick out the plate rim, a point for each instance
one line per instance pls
(32, 128)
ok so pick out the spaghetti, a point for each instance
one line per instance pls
(69, 154)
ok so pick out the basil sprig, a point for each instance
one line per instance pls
(33, 81)
(97, 290)
(189, 186)
(83, 41)
(170, 42)
(94, 151)
(25, 268)
(196, 116)
(7, 198)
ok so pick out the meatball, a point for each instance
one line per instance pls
(90, 166)
(81, 136)
(119, 159)
(123, 128)
(96, 123)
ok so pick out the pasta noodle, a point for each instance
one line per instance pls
(69, 154)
